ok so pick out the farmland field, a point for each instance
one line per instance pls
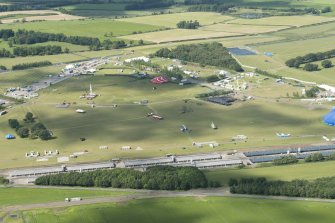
(193, 210)
(171, 20)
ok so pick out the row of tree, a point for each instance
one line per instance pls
(319, 188)
(37, 50)
(188, 24)
(212, 54)
(23, 66)
(213, 93)
(154, 178)
(308, 58)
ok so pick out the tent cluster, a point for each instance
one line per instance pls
(10, 136)
(329, 118)
(159, 80)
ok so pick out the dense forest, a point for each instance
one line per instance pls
(149, 4)
(154, 178)
(212, 54)
(319, 188)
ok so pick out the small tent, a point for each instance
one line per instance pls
(10, 136)
(329, 118)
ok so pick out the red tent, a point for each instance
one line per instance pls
(159, 80)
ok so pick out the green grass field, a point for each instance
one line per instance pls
(306, 171)
(16, 196)
(87, 27)
(192, 210)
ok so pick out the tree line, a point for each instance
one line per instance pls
(319, 188)
(310, 57)
(22, 36)
(37, 50)
(212, 54)
(188, 24)
(154, 178)
(23, 66)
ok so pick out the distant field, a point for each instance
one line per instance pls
(114, 10)
(34, 15)
(17, 196)
(284, 20)
(88, 27)
(192, 210)
(307, 171)
(171, 20)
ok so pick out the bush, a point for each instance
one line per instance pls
(14, 123)
(311, 67)
(285, 160)
(23, 132)
(327, 64)
(212, 78)
(316, 157)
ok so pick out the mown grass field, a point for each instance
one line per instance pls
(128, 124)
(307, 171)
(192, 210)
(17, 196)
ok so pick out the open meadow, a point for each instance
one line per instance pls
(192, 210)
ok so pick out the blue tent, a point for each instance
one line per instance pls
(10, 136)
(329, 118)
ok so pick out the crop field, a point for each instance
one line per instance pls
(128, 125)
(193, 210)
(241, 29)
(17, 196)
(307, 171)
(171, 20)
(179, 35)
(87, 27)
